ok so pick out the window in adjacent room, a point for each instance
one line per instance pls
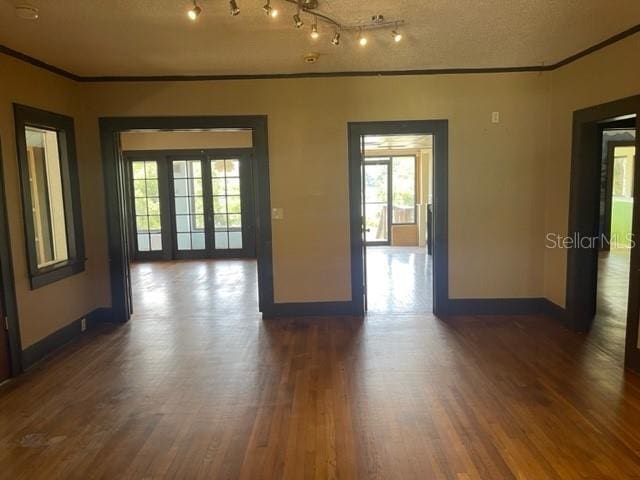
(50, 194)
(403, 187)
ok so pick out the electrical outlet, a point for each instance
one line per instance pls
(83, 324)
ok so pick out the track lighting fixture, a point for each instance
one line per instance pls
(311, 8)
(314, 30)
(362, 40)
(269, 10)
(234, 7)
(194, 12)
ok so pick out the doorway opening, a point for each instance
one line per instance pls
(616, 217)
(396, 211)
(10, 344)
(191, 193)
(602, 267)
(398, 196)
(191, 220)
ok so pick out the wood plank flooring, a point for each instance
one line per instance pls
(197, 385)
(610, 323)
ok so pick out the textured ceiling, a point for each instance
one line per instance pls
(155, 37)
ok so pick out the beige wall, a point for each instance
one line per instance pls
(50, 308)
(404, 235)
(151, 140)
(497, 219)
(495, 177)
(609, 74)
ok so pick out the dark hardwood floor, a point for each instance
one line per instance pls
(610, 322)
(197, 385)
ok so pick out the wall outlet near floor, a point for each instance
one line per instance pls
(83, 324)
(495, 117)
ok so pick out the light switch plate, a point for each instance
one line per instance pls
(495, 117)
(277, 213)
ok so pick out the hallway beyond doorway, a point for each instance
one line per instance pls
(399, 280)
(609, 325)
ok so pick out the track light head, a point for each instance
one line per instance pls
(314, 31)
(298, 21)
(194, 12)
(234, 7)
(336, 39)
(269, 10)
(397, 36)
(362, 40)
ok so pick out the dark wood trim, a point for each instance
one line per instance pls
(498, 306)
(8, 282)
(369, 73)
(100, 315)
(598, 46)
(553, 310)
(58, 339)
(39, 63)
(56, 273)
(312, 309)
(64, 125)
(112, 165)
(440, 131)
(584, 222)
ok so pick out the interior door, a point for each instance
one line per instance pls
(190, 207)
(149, 219)
(377, 196)
(232, 209)
(124, 309)
(364, 224)
(5, 365)
(191, 204)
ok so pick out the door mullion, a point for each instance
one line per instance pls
(164, 187)
(207, 202)
(246, 195)
(172, 209)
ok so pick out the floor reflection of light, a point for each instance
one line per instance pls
(398, 280)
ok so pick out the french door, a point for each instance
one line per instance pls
(377, 196)
(192, 204)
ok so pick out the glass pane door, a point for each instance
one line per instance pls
(227, 204)
(376, 202)
(146, 193)
(188, 205)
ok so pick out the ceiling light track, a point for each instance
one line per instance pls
(310, 7)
